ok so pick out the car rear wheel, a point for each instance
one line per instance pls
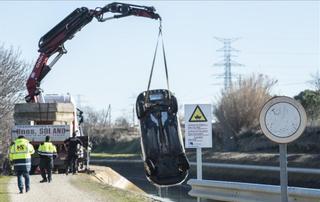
(183, 163)
(140, 110)
(149, 167)
(174, 104)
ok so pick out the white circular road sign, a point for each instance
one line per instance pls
(282, 119)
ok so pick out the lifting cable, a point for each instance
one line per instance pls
(153, 61)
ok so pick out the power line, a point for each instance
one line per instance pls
(227, 62)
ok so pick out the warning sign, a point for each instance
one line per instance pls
(198, 126)
(197, 115)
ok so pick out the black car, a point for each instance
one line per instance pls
(165, 161)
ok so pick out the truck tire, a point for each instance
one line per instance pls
(61, 170)
(33, 169)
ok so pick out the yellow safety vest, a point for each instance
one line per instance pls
(47, 149)
(20, 154)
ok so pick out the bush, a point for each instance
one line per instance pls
(238, 109)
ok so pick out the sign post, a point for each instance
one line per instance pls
(198, 131)
(283, 172)
(199, 163)
(283, 120)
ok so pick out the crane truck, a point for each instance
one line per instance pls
(56, 115)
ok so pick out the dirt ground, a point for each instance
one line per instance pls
(60, 189)
(75, 188)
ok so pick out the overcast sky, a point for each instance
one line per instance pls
(109, 63)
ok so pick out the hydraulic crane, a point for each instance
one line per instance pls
(53, 42)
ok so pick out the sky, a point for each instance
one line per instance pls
(110, 62)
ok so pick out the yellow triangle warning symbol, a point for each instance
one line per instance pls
(198, 115)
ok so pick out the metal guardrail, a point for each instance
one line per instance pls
(249, 192)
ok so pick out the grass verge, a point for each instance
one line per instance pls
(125, 147)
(4, 180)
(86, 183)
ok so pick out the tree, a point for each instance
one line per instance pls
(122, 122)
(310, 100)
(238, 109)
(13, 75)
(315, 82)
(94, 125)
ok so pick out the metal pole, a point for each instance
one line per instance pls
(283, 172)
(159, 192)
(166, 191)
(88, 155)
(199, 164)
(199, 167)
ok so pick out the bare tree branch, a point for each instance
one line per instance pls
(12, 83)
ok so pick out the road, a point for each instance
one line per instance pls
(60, 189)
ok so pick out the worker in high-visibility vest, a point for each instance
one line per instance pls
(47, 152)
(20, 156)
